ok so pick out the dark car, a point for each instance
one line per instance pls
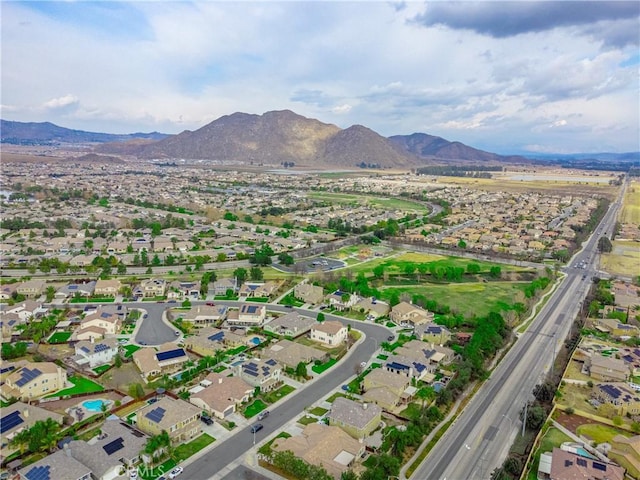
(391, 338)
(256, 428)
(211, 304)
(206, 420)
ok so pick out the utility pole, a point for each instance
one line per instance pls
(524, 419)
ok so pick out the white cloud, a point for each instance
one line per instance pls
(340, 109)
(65, 101)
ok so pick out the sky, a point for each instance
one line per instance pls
(507, 77)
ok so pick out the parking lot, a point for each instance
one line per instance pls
(310, 265)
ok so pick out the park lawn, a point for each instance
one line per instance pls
(469, 299)
(185, 450)
(323, 367)
(60, 337)
(600, 433)
(81, 385)
(254, 408)
(273, 397)
(130, 349)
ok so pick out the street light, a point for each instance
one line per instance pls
(510, 422)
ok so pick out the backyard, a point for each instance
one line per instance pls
(81, 385)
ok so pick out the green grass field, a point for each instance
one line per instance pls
(469, 299)
(631, 206)
(254, 408)
(81, 385)
(130, 349)
(101, 369)
(184, 451)
(323, 367)
(273, 397)
(600, 433)
(60, 337)
(388, 203)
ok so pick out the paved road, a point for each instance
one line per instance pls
(479, 439)
(218, 462)
(152, 330)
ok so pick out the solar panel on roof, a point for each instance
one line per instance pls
(600, 466)
(251, 366)
(251, 372)
(156, 414)
(271, 362)
(105, 315)
(7, 369)
(39, 473)
(101, 347)
(27, 375)
(114, 446)
(85, 349)
(581, 461)
(178, 352)
(10, 421)
(217, 337)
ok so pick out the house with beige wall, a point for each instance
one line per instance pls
(34, 380)
(331, 333)
(178, 418)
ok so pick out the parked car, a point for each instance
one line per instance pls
(256, 428)
(206, 419)
(175, 472)
(177, 332)
(262, 415)
(211, 304)
(391, 338)
(133, 474)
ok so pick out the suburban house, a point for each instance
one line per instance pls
(258, 290)
(432, 333)
(607, 369)
(26, 310)
(209, 340)
(311, 294)
(249, 315)
(562, 465)
(59, 465)
(290, 354)
(430, 353)
(149, 288)
(331, 333)
(118, 446)
(200, 315)
(620, 395)
(97, 325)
(168, 359)
(182, 290)
(357, 419)
(34, 380)
(616, 328)
(178, 418)
(107, 288)
(405, 366)
(387, 390)
(409, 315)
(20, 416)
(373, 307)
(341, 301)
(328, 447)
(261, 373)
(7, 290)
(221, 395)
(31, 288)
(625, 451)
(76, 290)
(290, 325)
(92, 354)
(221, 286)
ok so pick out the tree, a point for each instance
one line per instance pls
(378, 271)
(50, 293)
(41, 436)
(285, 259)
(240, 274)
(301, 370)
(320, 317)
(604, 245)
(256, 274)
(495, 272)
(536, 416)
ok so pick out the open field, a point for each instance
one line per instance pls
(469, 299)
(623, 260)
(350, 199)
(564, 187)
(631, 207)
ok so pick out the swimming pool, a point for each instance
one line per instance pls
(255, 341)
(95, 405)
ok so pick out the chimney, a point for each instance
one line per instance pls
(220, 381)
(25, 413)
(93, 340)
(364, 406)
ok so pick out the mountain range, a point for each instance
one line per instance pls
(272, 138)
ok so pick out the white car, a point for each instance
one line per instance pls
(133, 474)
(175, 472)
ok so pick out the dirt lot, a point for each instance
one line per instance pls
(121, 378)
(572, 422)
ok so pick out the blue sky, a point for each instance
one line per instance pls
(508, 77)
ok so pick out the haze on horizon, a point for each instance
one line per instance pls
(508, 77)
